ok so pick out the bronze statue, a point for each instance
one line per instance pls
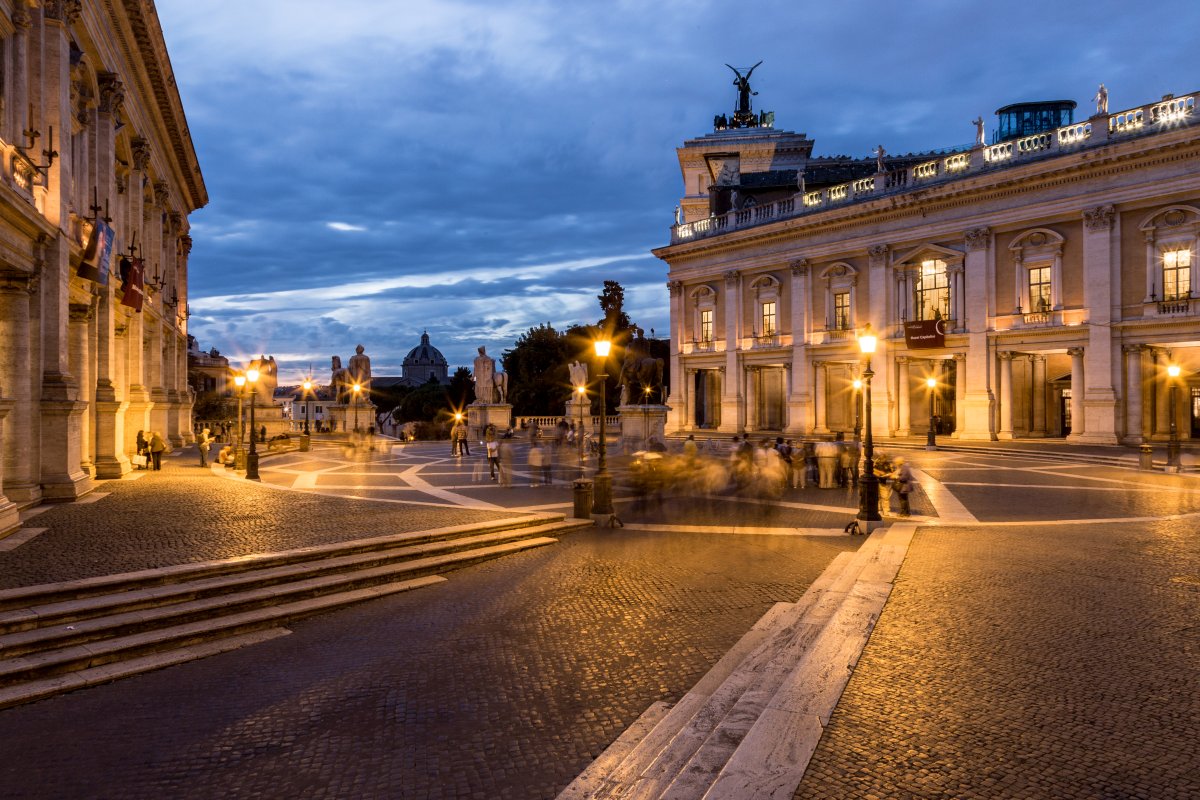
(640, 370)
(744, 92)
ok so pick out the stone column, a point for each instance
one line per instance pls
(903, 397)
(1134, 429)
(750, 376)
(80, 362)
(688, 392)
(22, 22)
(1077, 378)
(732, 411)
(1006, 395)
(881, 291)
(9, 515)
(960, 390)
(820, 397)
(20, 454)
(677, 418)
(979, 402)
(1037, 369)
(800, 393)
(1101, 283)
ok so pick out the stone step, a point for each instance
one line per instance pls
(108, 616)
(205, 583)
(654, 761)
(41, 664)
(25, 596)
(197, 640)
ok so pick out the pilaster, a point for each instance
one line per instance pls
(979, 402)
(1134, 415)
(903, 397)
(1006, 395)
(732, 407)
(19, 446)
(677, 418)
(800, 393)
(881, 294)
(1100, 397)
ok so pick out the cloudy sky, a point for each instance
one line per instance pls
(381, 167)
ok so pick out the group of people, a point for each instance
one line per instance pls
(544, 451)
(150, 447)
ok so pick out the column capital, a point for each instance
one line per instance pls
(1132, 349)
(799, 267)
(1099, 218)
(960, 356)
(877, 252)
(21, 18)
(732, 277)
(139, 148)
(1005, 355)
(674, 288)
(977, 238)
(903, 360)
(1075, 352)
(65, 11)
(162, 193)
(112, 92)
(17, 283)
(80, 312)
(185, 242)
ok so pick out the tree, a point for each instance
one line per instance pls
(612, 303)
(538, 382)
(461, 391)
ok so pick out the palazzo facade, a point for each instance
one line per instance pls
(1059, 265)
(92, 130)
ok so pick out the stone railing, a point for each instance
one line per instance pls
(546, 425)
(1177, 307)
(1037, 318)
(1167, 113)
(765, 340)
(701, 346)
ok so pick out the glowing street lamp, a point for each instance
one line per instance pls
(582, 392)
(1173, 443)
(252, 459)
(931, 439)
(357, 388)
(239, 456)
(868, 498)
(602, 497)
(858, 384)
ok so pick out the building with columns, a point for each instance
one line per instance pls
(91, 128)
(1045, 280)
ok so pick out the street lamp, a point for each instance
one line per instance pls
(305, 442)
(602, 498)
(582, 391)
(1173, 442)
(239, 455)
(931, 439)
(357, 389)
(858, 384)
(252, 459)
(868, 497)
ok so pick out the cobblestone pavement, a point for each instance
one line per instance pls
(1031, 661)
(185, 513)
(504, 682)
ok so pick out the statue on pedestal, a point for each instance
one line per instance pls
(360, 369)
(979, 135)
(641, 370)
(485, 376)
(879, 154)
(579, 373)
(1101, 99)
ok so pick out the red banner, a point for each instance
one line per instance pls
(925, 334)
(133, 280)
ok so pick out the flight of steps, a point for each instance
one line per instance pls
(749, 727)
(59, 637)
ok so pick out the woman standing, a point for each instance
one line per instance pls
(143, 449)
(157, 446)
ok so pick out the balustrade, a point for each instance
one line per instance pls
(958, 162)
(1172, 109)
(896, 178)
(1126, 121)
(1034, 144)
(927, 170)
(1181, 306)
(864, 186)
(839, 192)
(998, 152)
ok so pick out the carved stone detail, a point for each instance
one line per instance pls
(675, 288)
(1005, 355)
(978, 238)
(185, 242)
(162, 193)
(64, 11)
(1099, 218)
(80, 312)
(140, 149)
(800, 267)
(732, 277)
(112, 92)
(1075, 351)
(877, 251)
(176, 222)
(21, 18)
(122, 182)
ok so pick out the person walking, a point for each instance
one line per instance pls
(464, 447)
(505, 466)
(902, 483)
(536, 456)
(203, 441)
(143, 450)
(493, 456)
(157, 446)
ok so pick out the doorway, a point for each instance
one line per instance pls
(708, 399)
(1064, 412)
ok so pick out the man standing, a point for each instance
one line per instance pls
(202, 444)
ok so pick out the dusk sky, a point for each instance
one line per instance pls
(376, 169)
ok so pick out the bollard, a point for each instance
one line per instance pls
(1145, 457)
(305, 444)
(583, 498)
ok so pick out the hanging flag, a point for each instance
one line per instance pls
(133, 279)
(94, 266)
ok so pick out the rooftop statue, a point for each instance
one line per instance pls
(1101, 99)
(979, 135)
(879, 154)
(744, 92)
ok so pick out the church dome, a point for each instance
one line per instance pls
(425, 355)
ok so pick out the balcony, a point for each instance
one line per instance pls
(765, 340)
(1179, 307)
(701, 346)
(951, 165)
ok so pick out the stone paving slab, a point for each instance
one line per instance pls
(1038, 662)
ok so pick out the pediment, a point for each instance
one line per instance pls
(1171, 217)
(1037, 237)
(926, 252)
(838, 269)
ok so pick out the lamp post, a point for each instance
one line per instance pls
(357, 389)
(868, 497)
(931, 439)
(239, 455)
(305, 441)
(1173, 442)
(252, 459)
(858, 384)
(582, 392)
(602, 497)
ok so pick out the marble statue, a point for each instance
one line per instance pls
(979, 134)
(485, 377)
(360, 369)
(879, 154)
(579, 373)
(1101, 99)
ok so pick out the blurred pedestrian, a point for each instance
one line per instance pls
(536, 460)
(203, 441)
(143, 451)
(902, 483)
(506, 460)
(157, 446)
(827, 459)
(493, 455)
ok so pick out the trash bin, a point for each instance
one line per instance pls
(1145, 457)
(583, 498)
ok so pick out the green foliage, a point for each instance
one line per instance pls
(424, 403)
(538, 381)
(462, 388)
(214, 405)
(612, 303)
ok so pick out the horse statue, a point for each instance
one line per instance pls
(645, 373)
(500, 387)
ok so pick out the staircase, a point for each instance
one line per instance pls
(59, 637)
(749, 727)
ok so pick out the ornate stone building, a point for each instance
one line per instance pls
(91, 130)
(424, 362)
(1045, 281)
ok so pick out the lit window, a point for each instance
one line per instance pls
(841, 311)
(1039, 289)
(1177, 274)
(706, 325)
(932, 290)
(768, 319)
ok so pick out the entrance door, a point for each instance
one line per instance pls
(708, 398)
(1064, 411)
(770, 406)
(1195, 426)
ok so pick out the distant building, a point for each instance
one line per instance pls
(1045, 282)
(421, 363)
(208, 371)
